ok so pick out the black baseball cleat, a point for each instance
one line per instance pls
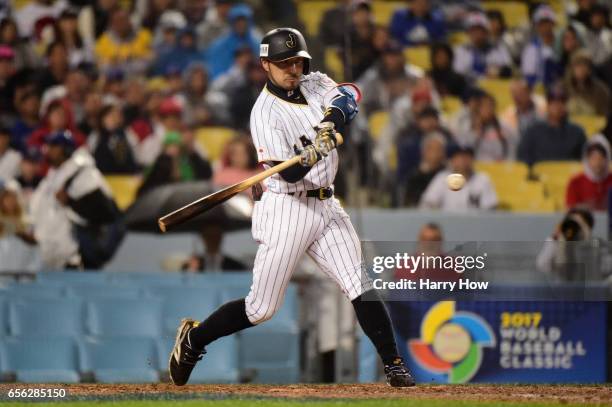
(398, 375)
(183, 357)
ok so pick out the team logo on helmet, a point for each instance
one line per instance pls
(292, 41)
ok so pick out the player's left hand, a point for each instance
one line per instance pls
(325, 141)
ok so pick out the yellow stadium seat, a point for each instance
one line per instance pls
(502, 170)
(515, 13)
(311, 13)
(213, 140)
(451, 105)
(500, 90)
(555, 175)
(592, 124)
(383, 10)
(377, 123)
(458, 38)
(418, 56)
(334, 63)
(124, 188)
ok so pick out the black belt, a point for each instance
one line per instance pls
(321, 193)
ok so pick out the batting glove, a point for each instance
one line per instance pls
(325, 141)
(309, 156)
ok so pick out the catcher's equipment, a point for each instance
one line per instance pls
(284, 43)
(325, 141)
(183, 357)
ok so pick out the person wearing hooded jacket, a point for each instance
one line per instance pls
(220, 55)
(76, 221)
(589, 189)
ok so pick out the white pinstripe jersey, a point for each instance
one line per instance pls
(278, 124)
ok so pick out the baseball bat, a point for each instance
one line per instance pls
(207, 202)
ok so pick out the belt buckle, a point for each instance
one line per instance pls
(322, 194)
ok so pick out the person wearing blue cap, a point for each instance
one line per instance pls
(220, 56)
(76, 221)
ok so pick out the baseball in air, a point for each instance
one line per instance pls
(455, 181)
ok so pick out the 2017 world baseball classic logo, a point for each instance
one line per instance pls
(451, 342)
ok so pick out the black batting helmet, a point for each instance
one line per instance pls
(284, 43)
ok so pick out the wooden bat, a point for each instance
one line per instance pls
(205, 203)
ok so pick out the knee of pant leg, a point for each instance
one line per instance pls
(261, 313)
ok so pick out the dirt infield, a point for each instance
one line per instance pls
(594, 395)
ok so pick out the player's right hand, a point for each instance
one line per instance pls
(309, 156)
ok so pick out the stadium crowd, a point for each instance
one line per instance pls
(91, 89)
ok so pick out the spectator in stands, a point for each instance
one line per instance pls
(583, 14)
(114, 85)
(490, 138)
(180, 56)
(215, 24)
(539, 63)
(445, 78)
(478, 192)
(362, 27)
(25, 56)
(152, 12)
(409, 140)
(418, 24)
(526, 110)
(29, 173)
(481, 57)
(201, 105)
(461, 122)
(236, 76)
(56, 69)
(333, 24)
(31, 14)
(110, 146)
(242, 98)
(7, 71)
(570, 41)
(13, 219)
(571, 244)
(56, 119)
(587, 94)
(590, 188)
(123, 46)
(92, 106)
(9, 158)
(433, 160)
(555, 138)
(238, 163)
(213, 260)
(179, 161)
(166, 31)
(220, 56)
(386, 81)
(75, 89)
(501, 36)
(28, 106)
(76, 222)
(600, 34)
(80, 50)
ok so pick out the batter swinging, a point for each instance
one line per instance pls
(297, 112)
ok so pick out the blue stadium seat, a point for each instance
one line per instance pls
(46, 318)
(271, 350)
(34, 290)
(272, 353)
(221, 279)
(103, 290)
(148, 278)
(40, 360)
(120, 360)
(124, 317)
(3, 317)
(72, 277)
(182, 302)
(367, 360)
(219, 365)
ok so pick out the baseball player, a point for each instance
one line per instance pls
(297, 112)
